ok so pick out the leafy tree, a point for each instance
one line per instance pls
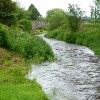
(7, 9)
(75, 15)
(34, 13)
(22, 14)
(95, 11)
(56, 18)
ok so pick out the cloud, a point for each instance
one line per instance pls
(44, 5)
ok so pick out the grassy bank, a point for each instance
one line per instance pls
(27, 45)
(89, 36)
(14, 64)
(13, 84)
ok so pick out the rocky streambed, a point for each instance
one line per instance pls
(75, 75)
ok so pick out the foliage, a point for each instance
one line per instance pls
(30, 47)
(13, 84)
(2, 35)
(21, 14)
(11, 13)
(56, 18)
(88, 36)
(34, 13)
(25, 25)
(53, 33)
(75, 14)
(27, 45)
(7, 9)
(63, 35)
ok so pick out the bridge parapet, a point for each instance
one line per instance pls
(37, 24)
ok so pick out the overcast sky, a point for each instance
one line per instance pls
(44, 5)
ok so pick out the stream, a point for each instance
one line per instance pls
(75, 75)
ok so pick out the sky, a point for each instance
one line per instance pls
(44, 5)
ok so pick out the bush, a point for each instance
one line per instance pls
(70, 37)
(26, 25)
(62, 35)
(29, 46)
(90, 37)
(53, 33)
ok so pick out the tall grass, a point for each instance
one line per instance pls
(29, 46)
(90, 37)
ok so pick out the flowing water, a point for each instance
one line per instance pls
(75, 75)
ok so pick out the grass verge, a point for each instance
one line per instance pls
(13, 84)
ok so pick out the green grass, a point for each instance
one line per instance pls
(13, 84)
(22, 91)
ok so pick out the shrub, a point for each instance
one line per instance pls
(29, 46)
(53, 33)
(70, 37)
(90, 37)
(63, 35)
(26, 25)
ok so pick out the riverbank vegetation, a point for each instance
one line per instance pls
(19, 47)
(13, 84)
(14, 64)
(73, 27)
(27, 45)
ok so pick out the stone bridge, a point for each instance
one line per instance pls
(37, 24)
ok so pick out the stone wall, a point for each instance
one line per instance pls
(37, 24)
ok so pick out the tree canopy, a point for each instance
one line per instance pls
(56, 18)
(71, 20)
(75, 14)
(7, 9)
(34, 13)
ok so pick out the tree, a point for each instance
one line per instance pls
(75, 15)
(34, 13)
(7, 9)
(56, 18)
(95, 12)
(21, 14)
